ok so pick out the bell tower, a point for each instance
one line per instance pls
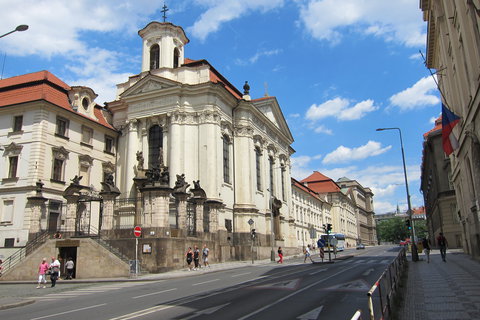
(163, 46)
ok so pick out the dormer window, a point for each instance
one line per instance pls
(176, 57)
(85, 103)
(154, 56)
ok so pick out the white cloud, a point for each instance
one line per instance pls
(343, 154)
(258, 55)
(57, 30)
(323, 129)
(400, 21)
(341, 109)
(221, 11)
(423, 93)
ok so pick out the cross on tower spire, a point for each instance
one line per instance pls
(165, 9)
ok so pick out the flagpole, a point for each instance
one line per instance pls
(435, 80)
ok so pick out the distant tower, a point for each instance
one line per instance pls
(163, 45)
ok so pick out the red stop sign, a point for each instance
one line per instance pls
(137, 231)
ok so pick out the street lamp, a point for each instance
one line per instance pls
(21, 27)
(409, 204)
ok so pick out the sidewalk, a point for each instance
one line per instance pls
(442, 290)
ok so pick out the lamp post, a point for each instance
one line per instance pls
(409, 204)
(21, 27)
(272, 233)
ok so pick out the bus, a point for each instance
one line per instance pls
(336, 240)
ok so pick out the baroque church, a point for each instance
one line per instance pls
(181, 153)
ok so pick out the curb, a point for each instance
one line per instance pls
(16, 304)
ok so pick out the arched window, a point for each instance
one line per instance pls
(284, 197)
(226, 159)
(154, 56)
(258, 158)
(176, 58)
(155, 143)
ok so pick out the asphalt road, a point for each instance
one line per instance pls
(295, 290)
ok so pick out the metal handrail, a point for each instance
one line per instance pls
(23, 252)
(393, 280)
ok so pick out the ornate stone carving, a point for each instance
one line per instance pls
(85, 160)
(197, 191)
(244, 131)
(140, 160)
(60, 153)
(109, 185)
(180, 185)
(132, 124)
(13, 149)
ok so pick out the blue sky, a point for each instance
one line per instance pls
(339, 69)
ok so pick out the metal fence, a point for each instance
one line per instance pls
(125, 212)
(380, 296)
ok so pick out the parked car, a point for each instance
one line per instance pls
(360, 246)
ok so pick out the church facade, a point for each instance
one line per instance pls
(191, 160)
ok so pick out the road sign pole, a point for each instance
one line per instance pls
(136, 257)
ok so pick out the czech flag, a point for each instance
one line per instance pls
(449, 121)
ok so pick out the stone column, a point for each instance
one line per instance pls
(214, 207)
(132, 146)
(36, 206)
(156, 204)
(182, 209)
(71, 217)
(199, 213)
(108, 208)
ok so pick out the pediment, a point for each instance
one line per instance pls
(149, 84)
(269, 108)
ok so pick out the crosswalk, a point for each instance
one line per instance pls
(86, 291)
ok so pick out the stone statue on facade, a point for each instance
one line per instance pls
(197, 191)
(181, 185)
(76, 180)
(109, 185)
(140, 160)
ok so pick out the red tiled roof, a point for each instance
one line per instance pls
(41, 85)
(419, 210)
(438, 126)
(33, 77)
(215, 76)
(321, 183)
(304, 188)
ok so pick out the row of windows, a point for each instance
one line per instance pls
(258, 155)
(61, 130)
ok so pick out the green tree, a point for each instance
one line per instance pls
(392, 230)
(421, 230)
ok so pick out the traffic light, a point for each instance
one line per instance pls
(329, 228)
(253, 233)
(408, 225)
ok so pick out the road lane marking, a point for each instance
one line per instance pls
(366, 273)
(206, 311)
(311, 315)
(153, 293)
(322, 270)
(241, 274)
(197, 284)
(294, 293)
(71, 311)
(141, 313)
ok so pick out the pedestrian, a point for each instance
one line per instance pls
(442, 244)
(307, 254)
(189, 256)
(69, 265)
(57, 235)
(426, 247)
(196, 258)
(42, 271)
(54, 271)
(1, 267)
(280, 255)
(205, 253)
